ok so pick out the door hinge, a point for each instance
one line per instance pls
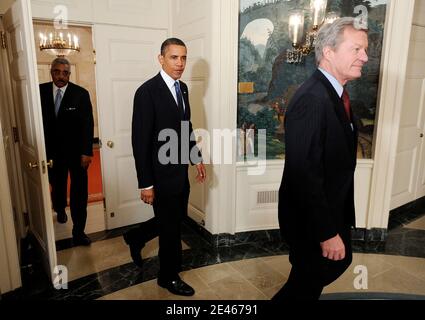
(15, 134)
(3, 40)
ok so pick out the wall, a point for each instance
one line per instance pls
(83, 72)
(409, 179)
(236, 200)
(140, 13)
(4, 5)
(256, 196)
(212, 38)
(191, 22)
(207, 28)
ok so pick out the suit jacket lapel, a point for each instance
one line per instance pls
(65, 99)
(339, 108)
(51, 101)
(186, 101)
(168, 98)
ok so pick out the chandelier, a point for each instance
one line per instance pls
(318, 18)
(58, 44)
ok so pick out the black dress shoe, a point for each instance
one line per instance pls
(81, 240)
(135, 249)
(177, 287)
(62, 218)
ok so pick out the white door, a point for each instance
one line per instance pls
(23, 71)
(409, 175)
(420, 65)
(126, 57)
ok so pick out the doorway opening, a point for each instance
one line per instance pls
(82, 74)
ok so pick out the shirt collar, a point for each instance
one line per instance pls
(337, 86)
(168, 80)
(63, 89)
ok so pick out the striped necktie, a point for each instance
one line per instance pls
(58, 101)
(347, 106)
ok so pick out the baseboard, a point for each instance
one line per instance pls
(230, 240)
(95, 222)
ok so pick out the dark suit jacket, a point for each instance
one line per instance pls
(71, 133)
(156, 110)
(316, 198)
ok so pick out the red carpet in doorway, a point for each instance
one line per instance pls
(95, 179)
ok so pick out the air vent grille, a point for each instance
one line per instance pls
(267, 197)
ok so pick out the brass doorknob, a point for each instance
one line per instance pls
(110, 144)
(50, 164)
(33, 165)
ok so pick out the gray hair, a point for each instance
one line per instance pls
(59, 61)
(331, 35)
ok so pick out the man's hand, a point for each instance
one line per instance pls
(148, 196)
(85, 161)
(333, 249)
(202, 173)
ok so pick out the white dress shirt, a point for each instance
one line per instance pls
(171, 85)
(55, 89)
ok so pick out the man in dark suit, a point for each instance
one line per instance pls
(68, 134)
(316, 198)
(163, 146)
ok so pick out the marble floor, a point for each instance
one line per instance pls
(254, 269)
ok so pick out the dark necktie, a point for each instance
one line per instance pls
(58, 101)
(347, 107)
(179, 99)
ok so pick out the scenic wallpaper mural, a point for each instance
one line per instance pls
(267, 82)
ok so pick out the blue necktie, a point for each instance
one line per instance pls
(58, 101)
(179, 99)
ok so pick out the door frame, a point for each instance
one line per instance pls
(14, 170)
(23, 9)
(11, 206)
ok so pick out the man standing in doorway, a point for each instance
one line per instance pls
(161, 110)
(316, 198)
(68, 133)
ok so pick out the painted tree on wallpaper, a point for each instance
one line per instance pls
(267, 82)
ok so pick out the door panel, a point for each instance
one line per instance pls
(409, 175)
(420, 190)
(23, 69)
(126, 57)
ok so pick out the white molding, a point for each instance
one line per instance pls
(10, 276)
(394, 64)
(224, 71)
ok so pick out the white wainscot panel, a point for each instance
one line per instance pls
(127, 181)
(362, 188)
(257, 196)
(403, 174)
(419, 14)
(123, 95)
(197, 65)
(197, 105)
(189, 11)
(141, 13)
(256, 203)
(66, 10)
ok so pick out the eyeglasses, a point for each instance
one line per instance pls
(57, 73)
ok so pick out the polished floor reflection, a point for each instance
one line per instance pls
(253, 268)
(260, 279)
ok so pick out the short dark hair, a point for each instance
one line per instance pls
(59, 61)
(170, 42)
